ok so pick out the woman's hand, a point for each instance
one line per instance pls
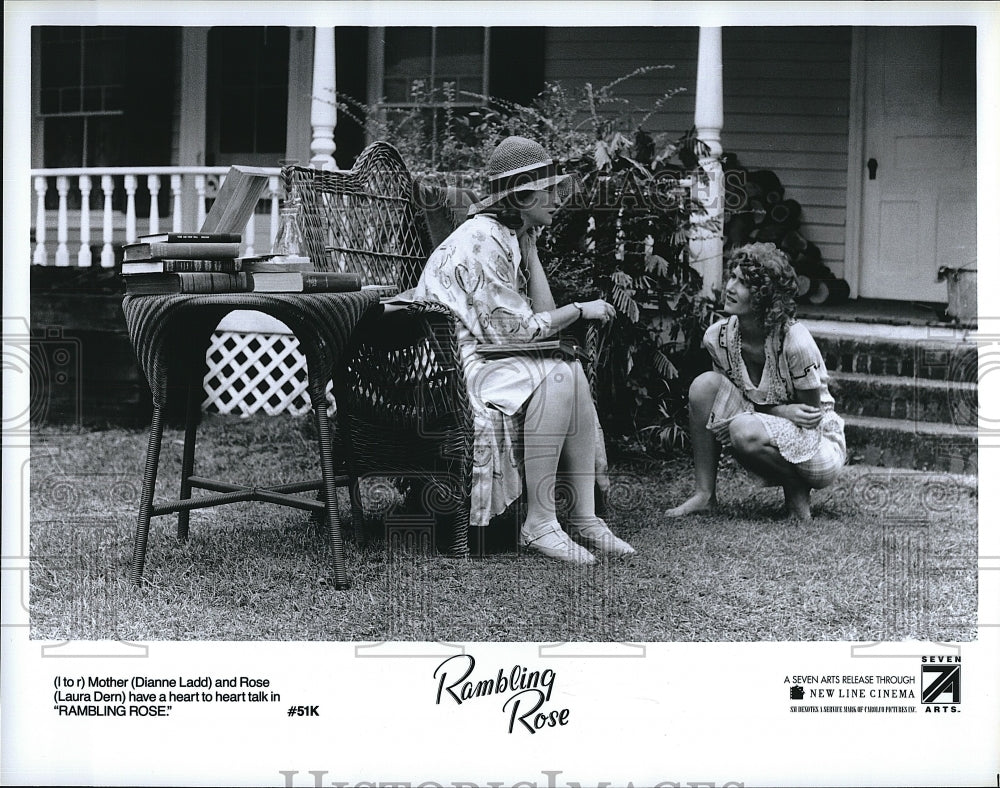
(597, 310)
(807, 416)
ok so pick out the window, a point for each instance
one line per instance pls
(437, 56)
(82, 99)
(105, 98)
(418, 71)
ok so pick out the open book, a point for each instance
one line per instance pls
(236, 200)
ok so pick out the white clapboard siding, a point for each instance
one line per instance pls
(786, 98)
(575, 56)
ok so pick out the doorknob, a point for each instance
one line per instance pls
(872, 168)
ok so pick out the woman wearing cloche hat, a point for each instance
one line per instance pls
(488, 272)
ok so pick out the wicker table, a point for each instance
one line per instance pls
(172, 332)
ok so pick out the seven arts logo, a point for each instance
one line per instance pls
(941, 683)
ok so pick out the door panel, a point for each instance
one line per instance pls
(919, 211)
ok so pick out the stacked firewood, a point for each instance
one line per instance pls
(757, 210)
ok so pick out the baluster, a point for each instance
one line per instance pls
(199, 187)
(107, 252)
(251, 231)
(83, 257)
(62, 223)
(131, 183)
(175, 191)
(272, 190)
(41, 256)
(153, 184)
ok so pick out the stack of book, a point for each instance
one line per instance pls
(210, 263)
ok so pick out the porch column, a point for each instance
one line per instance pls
(192, 143)
(324, 98)
(705, 246)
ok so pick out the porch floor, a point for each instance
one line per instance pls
(871, 317)
(877, 310)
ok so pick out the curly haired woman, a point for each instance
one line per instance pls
(767, 398)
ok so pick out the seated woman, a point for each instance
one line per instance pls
(767, 398)
(488, 273)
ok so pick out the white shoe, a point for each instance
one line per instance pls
(595, 534)
(551, 540)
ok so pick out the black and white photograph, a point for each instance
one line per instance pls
(599, 387)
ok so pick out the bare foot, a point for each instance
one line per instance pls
(797, 503)
(697, 503)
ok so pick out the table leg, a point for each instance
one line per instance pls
(187, 463)
(357, 511)
(347, 447)
(146, 501)
(323, 427)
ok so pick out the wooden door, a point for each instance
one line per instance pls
(919, 185)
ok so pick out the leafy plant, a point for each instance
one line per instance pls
(622, 235)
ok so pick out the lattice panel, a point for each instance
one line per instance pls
(251, 372)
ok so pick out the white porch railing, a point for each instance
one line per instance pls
(71, 230)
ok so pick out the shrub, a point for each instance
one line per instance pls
(622, 236)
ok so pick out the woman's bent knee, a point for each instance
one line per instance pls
(824, 467)
(747, 434)
(705, 387)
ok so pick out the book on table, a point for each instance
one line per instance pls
(170, 283)
(305, 282)
(155, 250)
(236, 200)
(242, 282)
(384, 292)
(272, 263)
(222, 266)
(230, 266)
(181, 238)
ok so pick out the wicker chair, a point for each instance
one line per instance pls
(407, 414)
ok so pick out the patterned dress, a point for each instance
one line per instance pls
(818, 453)
(477, 272)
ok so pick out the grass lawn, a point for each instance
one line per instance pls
(889, 555)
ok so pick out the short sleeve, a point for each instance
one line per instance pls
(504, 312)
(711, 343)
(475, 273)
(805, 363)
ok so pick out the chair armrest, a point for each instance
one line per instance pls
(591, 336)
(406, 370)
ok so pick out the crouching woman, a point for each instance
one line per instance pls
(766, 398)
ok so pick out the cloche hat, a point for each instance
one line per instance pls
(517, 165)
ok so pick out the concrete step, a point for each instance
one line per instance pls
(896, 443)
(907, 398)
(908, 394)
(930, 358)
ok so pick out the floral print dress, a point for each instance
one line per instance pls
(477, 272)
(796, 363)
